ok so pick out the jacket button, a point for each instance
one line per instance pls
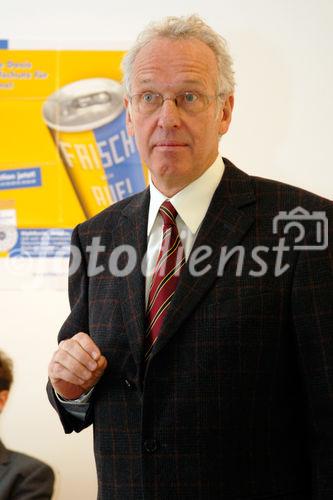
(150, 445)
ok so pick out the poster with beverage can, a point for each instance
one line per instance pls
(65, 153)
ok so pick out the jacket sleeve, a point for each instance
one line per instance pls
(312, 308)
(77, 321)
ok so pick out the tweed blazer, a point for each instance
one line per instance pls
(23, 477)
(236, 401)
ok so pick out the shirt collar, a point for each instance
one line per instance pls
(199, 192)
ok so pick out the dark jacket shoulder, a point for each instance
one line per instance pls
(274, 192)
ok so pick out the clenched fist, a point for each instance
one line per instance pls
(76, 366)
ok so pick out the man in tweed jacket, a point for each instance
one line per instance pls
(236, 398)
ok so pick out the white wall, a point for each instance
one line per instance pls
(29, 322)
(282, 129)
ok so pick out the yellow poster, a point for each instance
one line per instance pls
(64, 150)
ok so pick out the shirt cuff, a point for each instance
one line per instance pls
(83, 399)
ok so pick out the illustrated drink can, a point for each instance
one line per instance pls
(87, 122)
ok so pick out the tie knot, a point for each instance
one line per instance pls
(168, 212)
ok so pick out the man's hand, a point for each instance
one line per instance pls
(76, 366)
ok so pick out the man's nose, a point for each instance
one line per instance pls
(169, 114)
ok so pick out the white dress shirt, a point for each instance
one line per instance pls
(191, 203)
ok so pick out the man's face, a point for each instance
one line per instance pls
(177, 146)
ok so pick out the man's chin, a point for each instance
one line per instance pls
(173, 169)
(167, 156)
(171, 178)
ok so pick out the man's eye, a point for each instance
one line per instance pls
(190, 97)
(148, 97)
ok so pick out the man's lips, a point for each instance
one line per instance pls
(170, 144)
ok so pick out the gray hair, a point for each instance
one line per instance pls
(184, 27)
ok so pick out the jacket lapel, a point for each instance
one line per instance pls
(225, 223)
(132, 231)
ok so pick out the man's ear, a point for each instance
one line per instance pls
(3, 399)
(129, 122)
(226, 114)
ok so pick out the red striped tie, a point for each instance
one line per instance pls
(166, 274)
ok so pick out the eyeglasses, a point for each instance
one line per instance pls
(147, 103)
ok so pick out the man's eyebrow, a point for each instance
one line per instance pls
(192, 82)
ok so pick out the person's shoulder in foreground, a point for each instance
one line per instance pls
(23, 477)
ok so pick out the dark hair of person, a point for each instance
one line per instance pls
(6, 372)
